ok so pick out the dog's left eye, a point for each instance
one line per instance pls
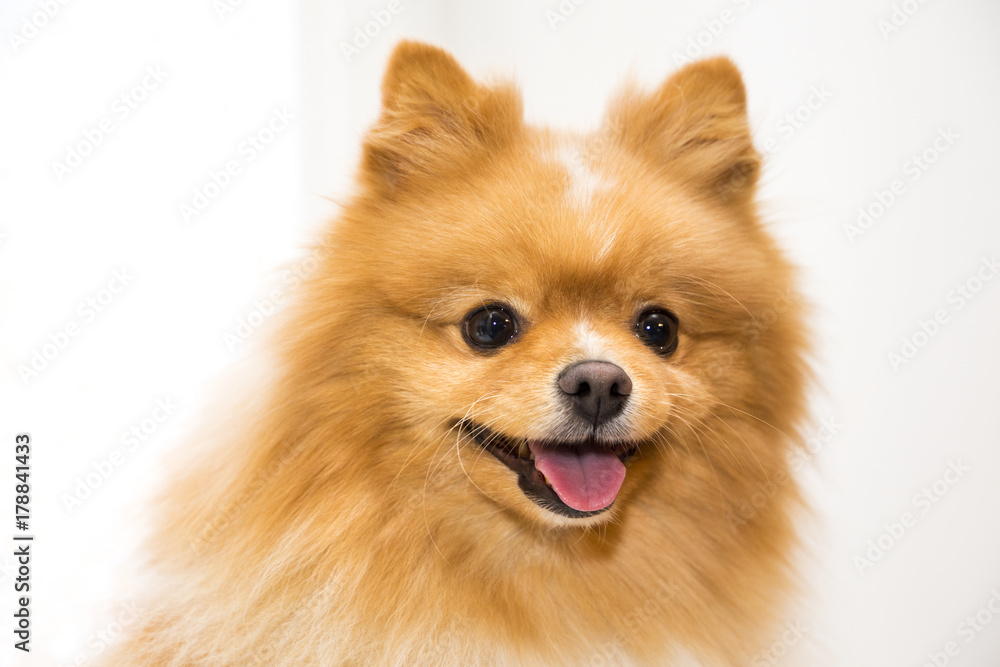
(657, 327)
(489, 327)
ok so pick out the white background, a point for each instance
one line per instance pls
(886, 96)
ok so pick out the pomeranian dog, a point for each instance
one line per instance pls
(535, 405)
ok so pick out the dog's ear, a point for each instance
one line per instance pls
(694, 127)
(434, 118)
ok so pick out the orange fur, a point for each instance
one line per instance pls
(347, 522)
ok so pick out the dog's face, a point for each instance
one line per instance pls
(557, 318)
(529, 384)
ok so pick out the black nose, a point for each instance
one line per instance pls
(597, 389)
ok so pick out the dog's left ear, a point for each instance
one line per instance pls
(694, 127)
(435, 118)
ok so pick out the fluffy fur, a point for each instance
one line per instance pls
(349, 522)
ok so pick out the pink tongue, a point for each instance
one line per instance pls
(587, 478)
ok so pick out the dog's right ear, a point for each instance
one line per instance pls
(435, 118)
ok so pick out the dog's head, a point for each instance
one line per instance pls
(560, 324)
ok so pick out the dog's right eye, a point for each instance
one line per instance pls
(490, 327)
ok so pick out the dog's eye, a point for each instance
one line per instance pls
(657, 328)
(491, 326)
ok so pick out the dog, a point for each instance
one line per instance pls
(522, 410)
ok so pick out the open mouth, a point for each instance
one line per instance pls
(576, 480)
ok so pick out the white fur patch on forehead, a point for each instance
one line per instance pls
(574, 155)
(577, 156)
